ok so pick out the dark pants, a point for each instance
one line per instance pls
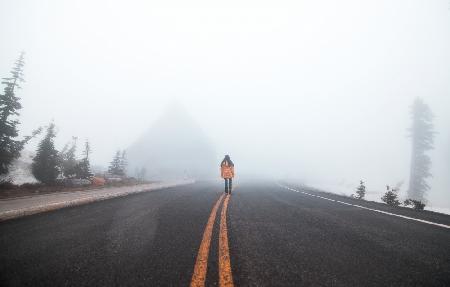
(228, 185)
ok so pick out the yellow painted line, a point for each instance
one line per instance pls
(225, 274)
(201, 264)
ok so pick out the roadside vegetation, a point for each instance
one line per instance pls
(390, 197)
(422, 135)
(56, 170)
(360, 191)
(10, 143)
(416, 204)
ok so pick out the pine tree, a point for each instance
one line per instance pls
(45, 163)
(83, 168)
(68, 161)
(10, 146)
(422, 135)
(391, 197)
(115, 167)
(361, 190)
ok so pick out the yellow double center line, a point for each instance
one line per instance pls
(201, 264)
(225, 275)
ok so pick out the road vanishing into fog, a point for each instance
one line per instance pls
(264, 234)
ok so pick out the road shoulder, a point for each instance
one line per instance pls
(14, 208)
(436, 217)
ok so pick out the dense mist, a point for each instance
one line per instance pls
(318, 92)
(173, 147)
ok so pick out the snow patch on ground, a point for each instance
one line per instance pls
(20, 170)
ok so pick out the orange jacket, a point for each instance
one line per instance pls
(226, 171)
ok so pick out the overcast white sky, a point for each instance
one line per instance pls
(318, 90)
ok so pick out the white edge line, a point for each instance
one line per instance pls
(367, 208)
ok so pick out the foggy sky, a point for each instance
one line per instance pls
(316, 90)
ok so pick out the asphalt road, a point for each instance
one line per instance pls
(277, 237)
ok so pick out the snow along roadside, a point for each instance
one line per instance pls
(27, 206)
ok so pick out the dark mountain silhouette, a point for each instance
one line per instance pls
(174, 147)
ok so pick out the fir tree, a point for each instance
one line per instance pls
(68, 161)
(422, 136)
(10, 146)
(391, 197)
(83, 168)
(115, 167)
(361, 190)
(45, 163)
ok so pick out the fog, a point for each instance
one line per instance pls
(317, 91)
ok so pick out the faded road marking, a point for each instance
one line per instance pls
(201, 264)
(367, 208)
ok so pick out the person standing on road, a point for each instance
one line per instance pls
(227, 173)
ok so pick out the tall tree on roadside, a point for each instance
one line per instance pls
(83, 169)
(45, 163)
(68, 160)
(10, 146)
(115, 167)
(422, 135)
